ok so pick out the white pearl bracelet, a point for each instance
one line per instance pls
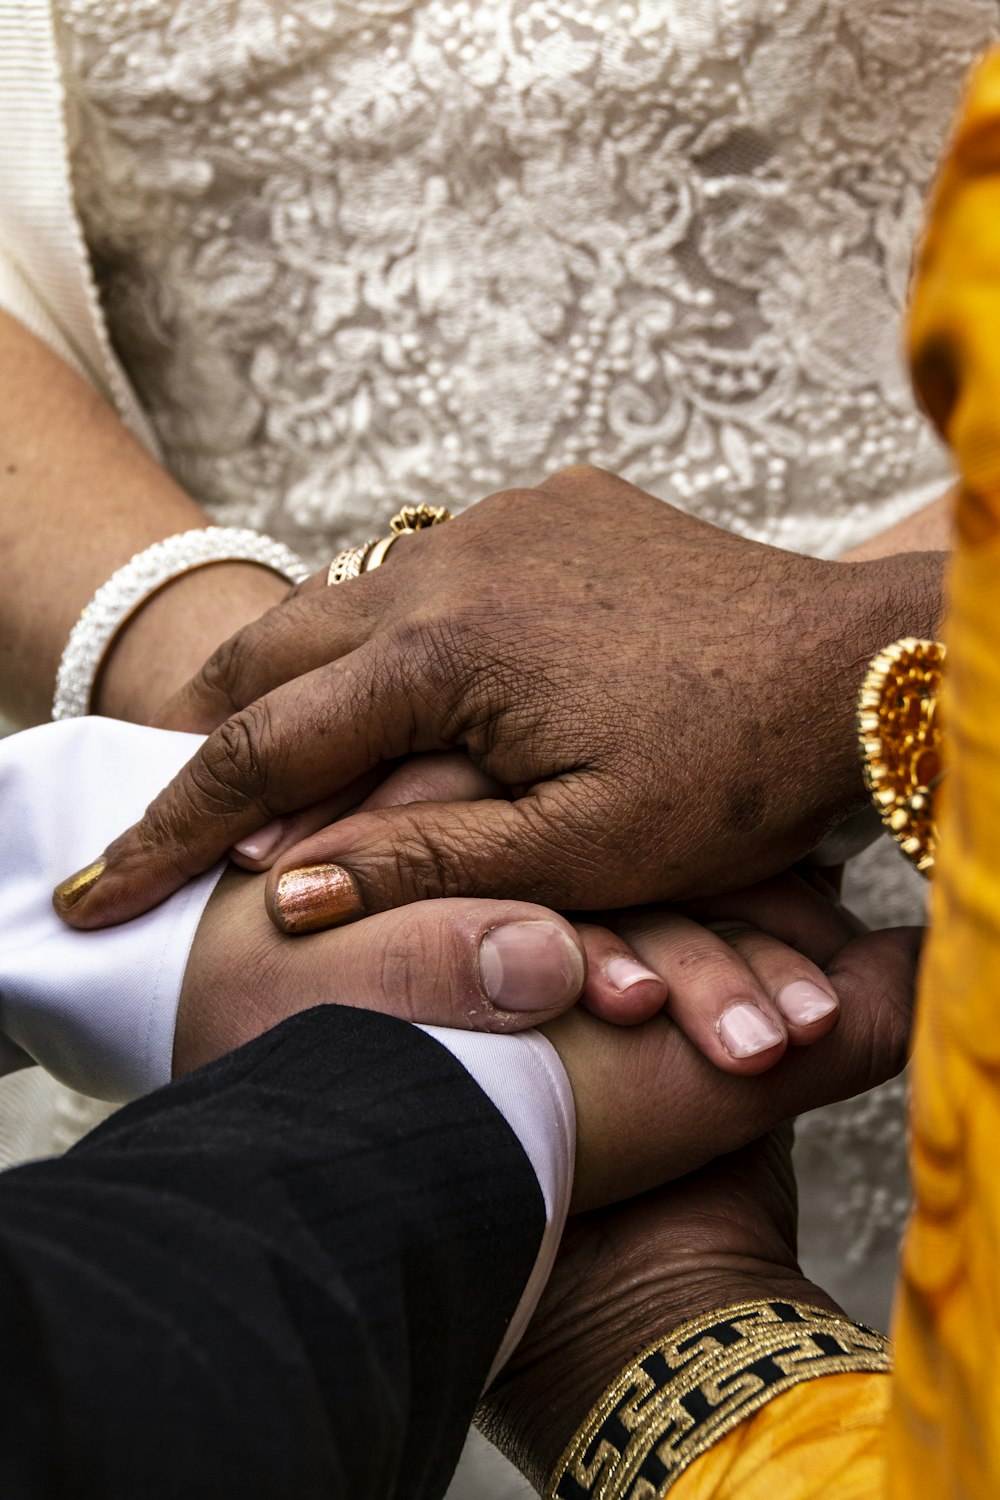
(133, 584)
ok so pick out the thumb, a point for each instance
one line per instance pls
(475, 965)
(398, 855)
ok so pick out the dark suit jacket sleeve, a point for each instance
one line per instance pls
(285, 1276)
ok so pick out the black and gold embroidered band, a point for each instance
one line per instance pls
(692, 1387)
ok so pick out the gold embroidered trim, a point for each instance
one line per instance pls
(689, 1389)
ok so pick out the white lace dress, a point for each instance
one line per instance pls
(354, 253)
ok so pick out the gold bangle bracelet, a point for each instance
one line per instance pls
(899, 734)
(692, 1387)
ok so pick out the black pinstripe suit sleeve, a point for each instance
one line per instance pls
(285, 1276)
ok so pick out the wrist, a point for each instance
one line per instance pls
(166, 641)
(548, 1388)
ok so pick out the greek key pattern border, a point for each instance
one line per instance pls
(689, 1389)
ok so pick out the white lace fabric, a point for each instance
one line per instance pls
(356, 253)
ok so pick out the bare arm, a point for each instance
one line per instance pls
(928, 530)
(79, 496)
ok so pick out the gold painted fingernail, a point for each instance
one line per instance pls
(68, 892)
(316, 897)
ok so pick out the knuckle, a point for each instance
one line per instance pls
(506, 500)
(222, 674)
(888, 1040)
(736, 932)
(428, 866)
(704, 964)
(413, 639)
(160, 823)
(232, 768)
(417, 966)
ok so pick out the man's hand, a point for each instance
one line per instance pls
(477, 965)
(669, 707)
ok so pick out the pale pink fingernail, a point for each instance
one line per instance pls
(623, 973)
(803, 1002)
(262, 843)
(745, 1031)
(530, 966)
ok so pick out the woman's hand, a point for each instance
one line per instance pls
(665, 703)
(650, 1107)
(626, 1275)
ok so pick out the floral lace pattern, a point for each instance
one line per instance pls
(362, 252)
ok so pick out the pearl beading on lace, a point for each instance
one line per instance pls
(422, 252)
(128, 588)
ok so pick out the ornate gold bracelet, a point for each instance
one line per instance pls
(692, 1387)
(899, 730)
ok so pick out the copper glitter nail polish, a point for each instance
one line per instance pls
(316, 897)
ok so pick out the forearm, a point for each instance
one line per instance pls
(927, 530)
(79, 496)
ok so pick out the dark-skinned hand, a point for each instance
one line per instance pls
(667, 707)
(627, 1275)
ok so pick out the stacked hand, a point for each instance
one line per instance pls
(740, 988)
(654, 1098)
(668, 709)
(648, 709)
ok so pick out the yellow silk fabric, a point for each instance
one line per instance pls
(826, 1437)
(941, 1437)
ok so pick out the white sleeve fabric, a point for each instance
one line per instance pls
(524, 1077)
(97, 1009)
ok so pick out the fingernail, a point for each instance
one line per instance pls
(745, 1031)
(530, 966)
(803, 1002)
(260, 844)
(68, 892)
(623, 973)
(316, 897)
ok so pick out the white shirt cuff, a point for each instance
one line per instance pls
(523, 1076)
(97, 1009)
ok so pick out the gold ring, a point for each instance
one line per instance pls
(348, 564)
(406, 522)
(418, 518)
(376, 556)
